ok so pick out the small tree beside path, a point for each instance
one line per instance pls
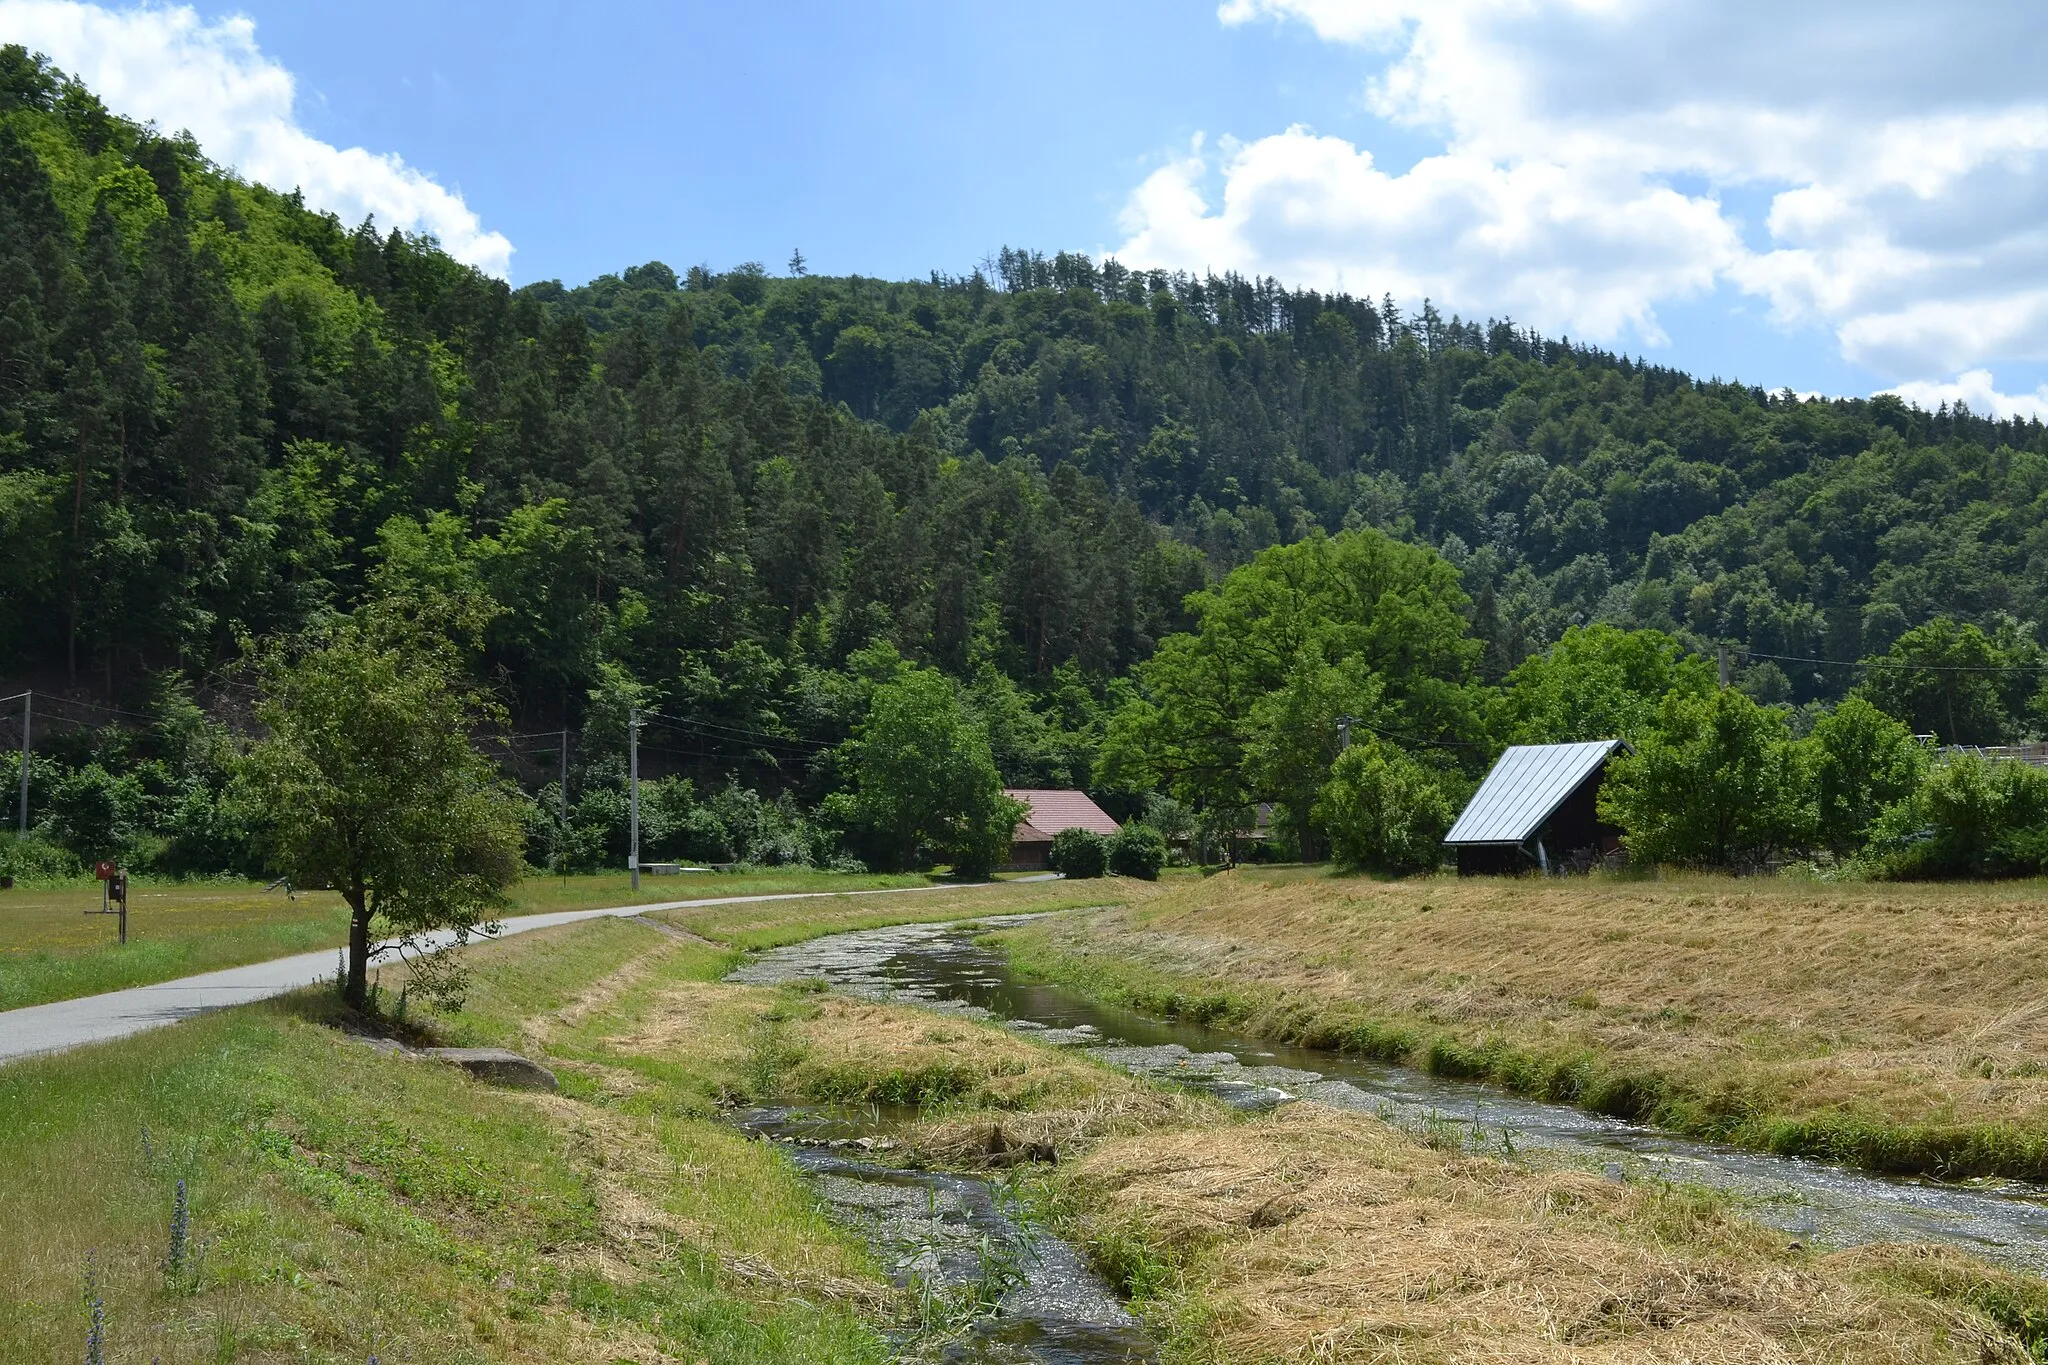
(369, 785)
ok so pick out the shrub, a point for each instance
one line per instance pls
(92, 812)
(208, 832)
(1383, 811)
(1138, 851)
(1972, 817)
(1078, 853)
(35, 860)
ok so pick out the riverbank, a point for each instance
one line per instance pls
(1311, 1233)
(1327, 1233)
(343, 1200)
(1894, 1028)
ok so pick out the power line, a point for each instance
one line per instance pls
(711, 729)
(737, 731)
(1898, 663)
(99, 706)
(712, 752)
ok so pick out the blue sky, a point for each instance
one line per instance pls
(888, 139)
(1844, 205)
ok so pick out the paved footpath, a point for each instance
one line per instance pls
(97, 1018)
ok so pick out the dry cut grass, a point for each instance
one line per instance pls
(770, 924)
(1319, 1235)
(769, 1044)
(1777, 1012)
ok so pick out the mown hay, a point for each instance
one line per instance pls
(1897, 1027)
(995, 1141)
(1315, 1234)
(857, 1050)
(829, 1048)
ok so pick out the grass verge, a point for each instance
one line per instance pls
(50, 949)
(344, 1201)
(1893, 1028)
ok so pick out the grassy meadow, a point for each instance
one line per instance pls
(753, 926)
(1896, 1027)
(344, 1201)
(50, 949)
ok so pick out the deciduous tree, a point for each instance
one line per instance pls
(924, 782)
(1715, 782)
(367, 782)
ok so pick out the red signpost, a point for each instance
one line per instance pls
(113, 894)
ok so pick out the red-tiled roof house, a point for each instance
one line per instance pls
(1046, 814)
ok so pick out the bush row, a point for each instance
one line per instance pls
(1137, 850)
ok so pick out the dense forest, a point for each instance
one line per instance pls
(740, 499)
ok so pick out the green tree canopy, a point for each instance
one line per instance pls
(1384, 811)
(1596, 682)
(1715, 782)
(1954, 681)
(924, 782)
(1861, 761)
(1247, 706)
(367, 782)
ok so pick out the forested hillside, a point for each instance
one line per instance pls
(743, 499)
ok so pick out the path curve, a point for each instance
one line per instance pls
(64, 1024)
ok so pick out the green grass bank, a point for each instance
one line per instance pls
(51, 949)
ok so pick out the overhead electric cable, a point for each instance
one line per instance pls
(1897, 663)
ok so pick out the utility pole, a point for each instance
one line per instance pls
(562, 803)
(1344, 733)
(27, 709)
(1721, 653)
(633, 784)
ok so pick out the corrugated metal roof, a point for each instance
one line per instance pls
(1524, 787)
(1052, 811)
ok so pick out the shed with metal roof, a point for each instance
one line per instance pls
(1537, 809)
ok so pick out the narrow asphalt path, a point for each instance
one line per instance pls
(97, 1018)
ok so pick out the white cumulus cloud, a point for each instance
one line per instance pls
(1977, 389)
(168, 65)
(1509, 239)
(1590, 150)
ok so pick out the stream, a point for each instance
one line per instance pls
(1061, 1314)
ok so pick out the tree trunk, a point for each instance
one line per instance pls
(356, 990)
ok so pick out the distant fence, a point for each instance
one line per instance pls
(2035, 754)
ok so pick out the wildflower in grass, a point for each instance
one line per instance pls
(181, 1221)
(96, 1313)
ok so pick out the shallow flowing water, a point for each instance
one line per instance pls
(1018, 1292)
(941, 966)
